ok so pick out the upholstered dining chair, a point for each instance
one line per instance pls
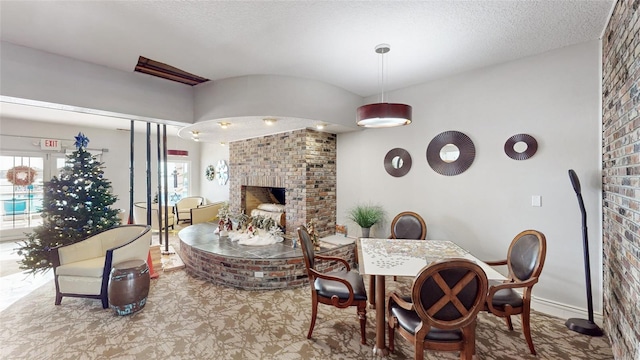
(341, 289)
(406, 225)
(524, 261)
(446, 297)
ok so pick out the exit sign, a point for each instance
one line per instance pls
(50, 144)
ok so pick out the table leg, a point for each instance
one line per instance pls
(380, 348)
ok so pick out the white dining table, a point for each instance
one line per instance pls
(396, 257)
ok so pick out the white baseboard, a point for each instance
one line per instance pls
(563, 311)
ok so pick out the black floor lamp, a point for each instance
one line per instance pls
(584, 326)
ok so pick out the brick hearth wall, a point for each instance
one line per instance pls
(621, 179)
(303, 162)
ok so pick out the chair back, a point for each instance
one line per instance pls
(308, 251)
(408, 225)
(526, 255)
(189, 202)
(448, 294)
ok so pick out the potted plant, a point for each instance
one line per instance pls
(366, 215)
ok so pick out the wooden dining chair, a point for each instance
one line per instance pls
(341, 289)
(524, 261)
(406, 225)
(441, 314)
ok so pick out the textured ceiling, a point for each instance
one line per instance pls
(329, 41)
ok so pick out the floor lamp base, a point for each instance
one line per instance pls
(584, 326)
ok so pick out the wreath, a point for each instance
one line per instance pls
(21, 175)
(210, 173)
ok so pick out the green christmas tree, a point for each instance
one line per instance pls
(76, 205)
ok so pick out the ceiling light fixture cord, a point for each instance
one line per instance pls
(382, 49)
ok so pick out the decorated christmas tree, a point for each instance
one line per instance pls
(75, 206)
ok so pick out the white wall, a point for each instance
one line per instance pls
(116, 159)
(210, 155)
(555, 97)
(36, 75)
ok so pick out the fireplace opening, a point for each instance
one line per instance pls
(265, 201)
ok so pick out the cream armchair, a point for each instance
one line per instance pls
(184, 206)
(82, 269)
(140, 216)
(204, 213)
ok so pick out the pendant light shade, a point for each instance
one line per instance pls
(383, 114)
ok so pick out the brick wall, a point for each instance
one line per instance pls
(302, 161)
(621, 179)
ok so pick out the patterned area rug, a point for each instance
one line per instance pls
(187, 318)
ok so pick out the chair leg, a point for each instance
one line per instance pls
(58, 298)
(314, 313)
(509, 323)
(105, 301)
(362, 315)
(469, 345)
(372, 291)
(419, 349)
(392, 333)
(526, 329)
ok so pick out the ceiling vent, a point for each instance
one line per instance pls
(164, 71)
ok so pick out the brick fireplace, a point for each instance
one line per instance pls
(303, 162)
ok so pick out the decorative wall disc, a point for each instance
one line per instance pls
(461, 159)
(511, 146)
(223, 172)
(210, 173)
(397, 162)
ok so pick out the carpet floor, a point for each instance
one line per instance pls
(188, 318)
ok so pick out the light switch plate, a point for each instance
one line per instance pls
(536, 200)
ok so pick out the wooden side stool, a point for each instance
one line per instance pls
(129, 286)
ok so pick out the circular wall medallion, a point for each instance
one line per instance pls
(210, 173)
(445, 159)
(223, 172)
(520, 146)
(397, 162)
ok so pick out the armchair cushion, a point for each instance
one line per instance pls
(90, 267)
(505, 296)
(328, 288)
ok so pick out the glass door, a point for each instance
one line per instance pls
(22, 177)
(21, 190)
(177, 180)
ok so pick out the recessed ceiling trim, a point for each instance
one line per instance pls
(168, 72)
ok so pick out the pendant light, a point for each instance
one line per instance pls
(383, 114)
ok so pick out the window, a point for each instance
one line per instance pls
(21, 200)
(21, 190)
(177, 180)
